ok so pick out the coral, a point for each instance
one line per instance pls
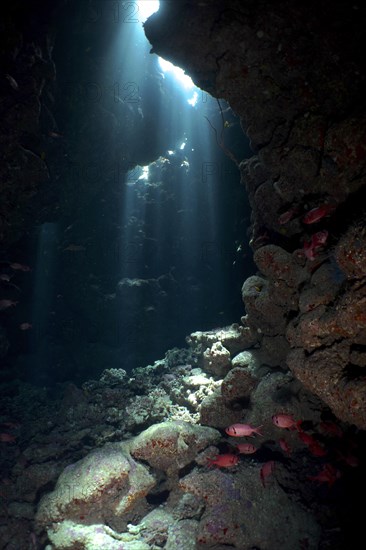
(238, 385)
(238, 523)
(234, 338)
(169, 446)
(216, 359)
(214, 411)
(99, 488)
(69, 535)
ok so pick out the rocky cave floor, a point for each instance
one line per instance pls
(123, 461)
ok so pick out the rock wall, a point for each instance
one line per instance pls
(295, 76)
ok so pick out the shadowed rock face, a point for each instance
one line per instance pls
(295, 76)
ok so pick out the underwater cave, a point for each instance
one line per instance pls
(182, 274)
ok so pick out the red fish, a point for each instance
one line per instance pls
(317, 240)
(246, 448)
(307, 438)
(317, 450)
(286, 421)
(5, 303)
(266, 470)
(329, 474)
(242, 430)
(285, 446)
(331, 429)
(7, 438)
(224, 461)
(316, 214)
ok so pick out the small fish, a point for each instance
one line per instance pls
(13, 83)
(5, 303)
(317, 450)
(284, 446)
(246, 448)
(309, 251)
(25, 326)
(242, 430)
(266, 470)
(329, 474)
(307, 438)
(331, 429)
(286, 421)
(7, 438)
(317, 240)
(5, 277)
(20, 267)
(224, 461)
(316, 214)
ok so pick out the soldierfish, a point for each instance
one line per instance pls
(266, 470)
(329, 474)
(284, 446)
(242, 430)
(316, 214)
(224, 461)
(246, 448)
(317, 240)
(286, 421)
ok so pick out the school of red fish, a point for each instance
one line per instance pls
(317, 241)
(328, 474)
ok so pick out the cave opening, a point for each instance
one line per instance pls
(146, 238)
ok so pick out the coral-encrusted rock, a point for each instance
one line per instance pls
(323, 326)
(101, 487)
(350, 252)
(216, 360)
(170, 446)
(325, 284)
(266, 204)
(323, 372)
(69, 535)
(270, 515)
(253, 174)
(263, 315)
(276, 263)
(273, 350)
(238, 385)
(345, 151)
(235, 338)
(246, 359)
(215, 412)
